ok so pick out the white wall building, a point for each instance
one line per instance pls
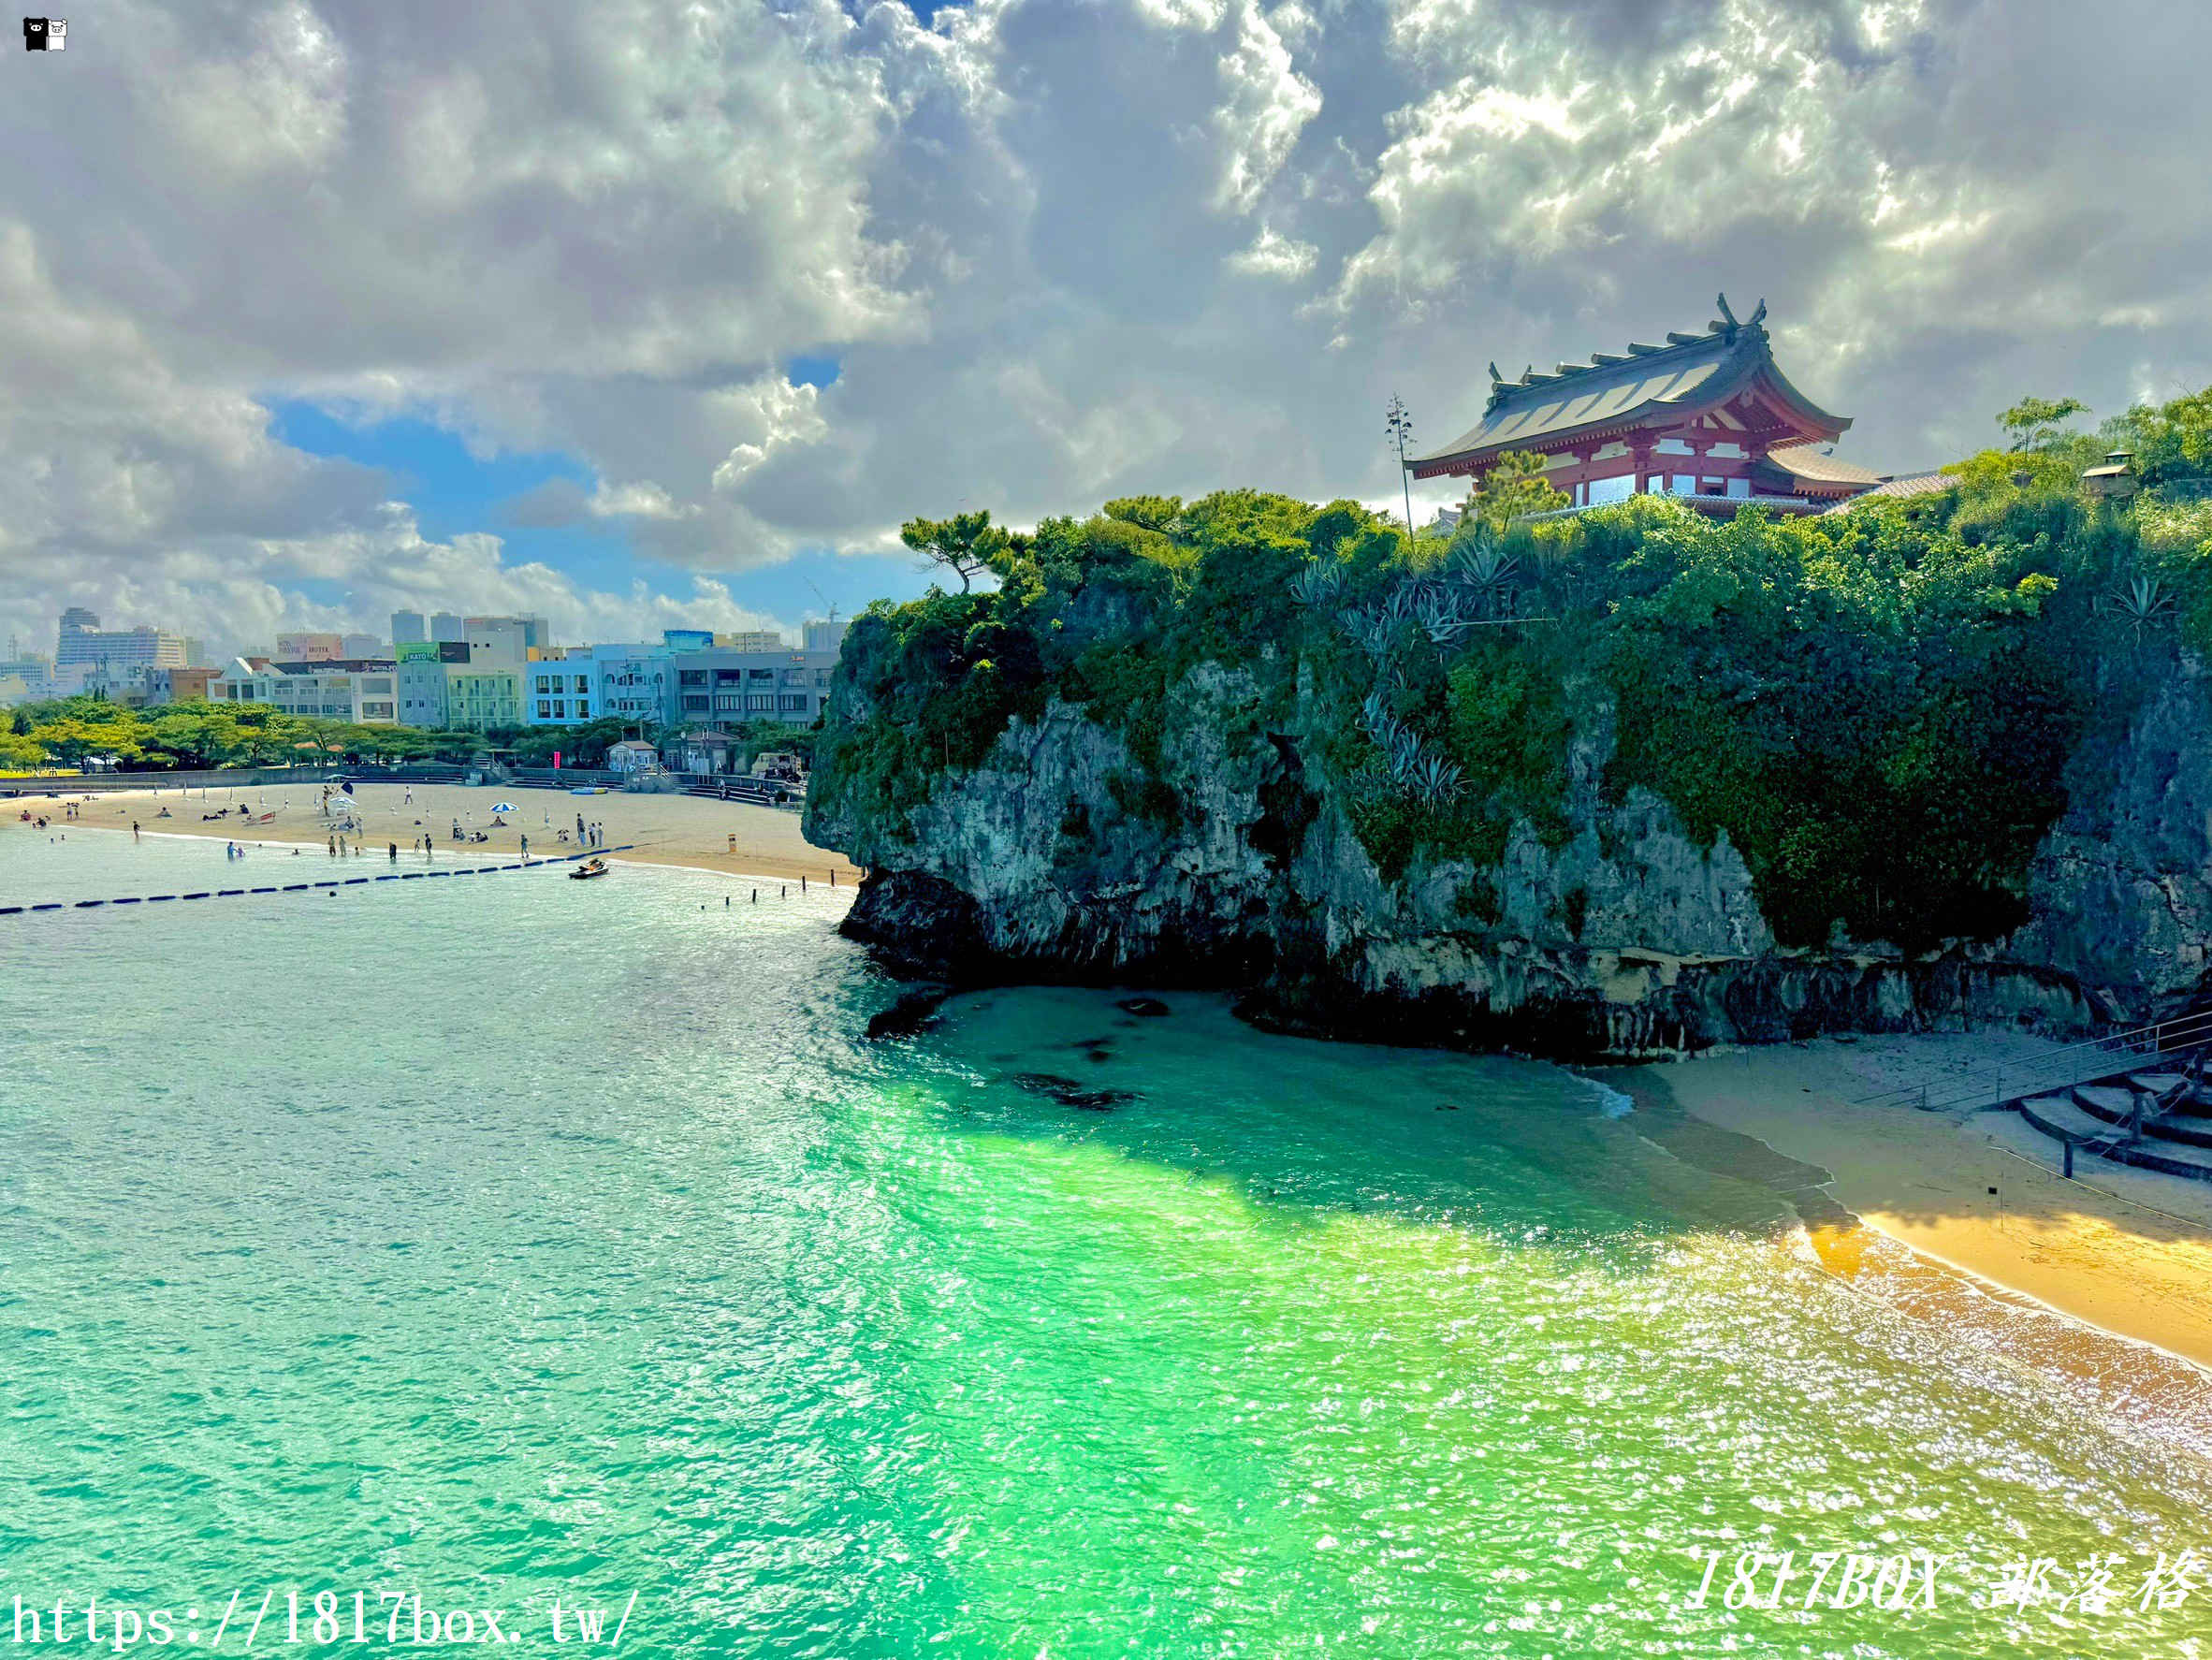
(80, 639)
(364, 693)
(785, 686)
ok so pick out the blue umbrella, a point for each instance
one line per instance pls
(502, 806)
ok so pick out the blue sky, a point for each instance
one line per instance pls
(453, 492)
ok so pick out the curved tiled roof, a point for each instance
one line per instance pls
(1689, 371)
(1804, 460)
(1912, 483)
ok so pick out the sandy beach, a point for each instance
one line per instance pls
(689, 830)
(1971, 1193)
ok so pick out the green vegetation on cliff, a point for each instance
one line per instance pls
(1877, 708)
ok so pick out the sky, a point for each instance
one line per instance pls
(641, 314)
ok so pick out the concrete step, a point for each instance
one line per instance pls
(2061, 1116)
(2108, 1102)
(2153, 1083)
(2197, 1102)
(2113, 1103)
(2180, 1127)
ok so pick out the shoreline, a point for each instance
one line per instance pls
(1950, 1218)
(729, 838)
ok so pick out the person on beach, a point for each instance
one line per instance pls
(526, 847)
(134, 828)
(395, 852)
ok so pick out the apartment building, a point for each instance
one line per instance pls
(363, 690)
(724, 685)
(420, 673)
(481, 695)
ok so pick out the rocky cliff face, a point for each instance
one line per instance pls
(1231, 863)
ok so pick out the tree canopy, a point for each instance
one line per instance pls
(1877, 708)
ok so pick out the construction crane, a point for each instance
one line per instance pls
(826, 600)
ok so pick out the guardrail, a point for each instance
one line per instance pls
(2060, 1069)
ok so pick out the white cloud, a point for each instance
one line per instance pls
(772, 414)
(1273, 254)
(1058, 251)
(1265, 105)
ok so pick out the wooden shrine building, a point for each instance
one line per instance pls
(1709, 417)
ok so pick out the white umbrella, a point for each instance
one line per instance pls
(502, 806)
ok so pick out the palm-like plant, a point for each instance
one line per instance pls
(2143, 604)
(1434, 778)
(1442, 617)
(1319, 583)
(1481, 566)
(1375, 629)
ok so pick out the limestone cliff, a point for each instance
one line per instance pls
(1232, 861)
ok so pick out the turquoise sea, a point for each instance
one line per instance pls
(504, 1241)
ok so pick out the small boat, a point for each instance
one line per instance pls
(586, 871)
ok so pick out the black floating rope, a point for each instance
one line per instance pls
(302, 887)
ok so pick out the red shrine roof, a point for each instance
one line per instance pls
(1727, 373)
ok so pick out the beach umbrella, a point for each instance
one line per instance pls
(502, 806)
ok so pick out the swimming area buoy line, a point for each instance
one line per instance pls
(302, 887)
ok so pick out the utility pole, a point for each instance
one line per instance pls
(1398, 423)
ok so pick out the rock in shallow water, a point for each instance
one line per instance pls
(1070, 1092)
(915, 1012)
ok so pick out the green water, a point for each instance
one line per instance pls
(501, 1239)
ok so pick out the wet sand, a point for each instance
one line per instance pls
(725, 836)
(1970, 1192)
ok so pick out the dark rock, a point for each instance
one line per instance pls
(1095, 1100)
(1614, 933)
(1042, 1083)
(914, 1012)
(1070, 1092)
